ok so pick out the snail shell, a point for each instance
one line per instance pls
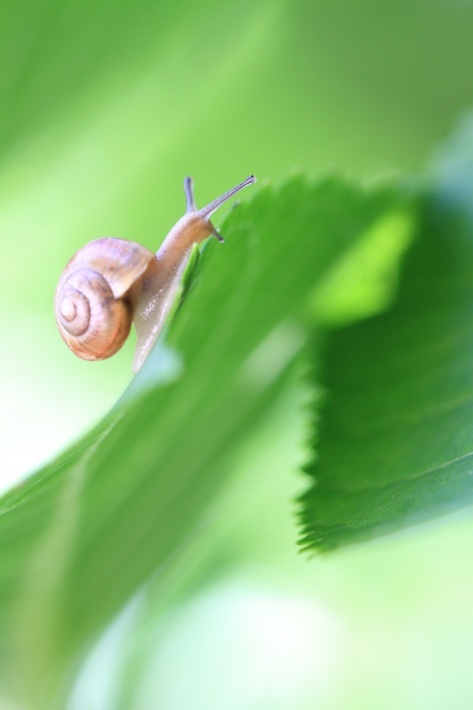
(94, 308)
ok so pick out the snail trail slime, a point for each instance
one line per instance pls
(111, 283)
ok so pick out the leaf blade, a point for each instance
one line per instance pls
(120, 503)
(395, 441)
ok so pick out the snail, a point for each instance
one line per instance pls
(111, 283)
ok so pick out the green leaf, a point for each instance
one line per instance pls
(396, 436)
(81, 536)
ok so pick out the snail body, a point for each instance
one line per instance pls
(111, 283)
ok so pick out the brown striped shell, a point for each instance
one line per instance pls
(94, 310)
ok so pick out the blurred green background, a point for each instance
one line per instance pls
(105, 106)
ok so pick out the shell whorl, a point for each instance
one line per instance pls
(93, 309)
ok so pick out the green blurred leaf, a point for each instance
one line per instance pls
(396, 437)
(81, 536)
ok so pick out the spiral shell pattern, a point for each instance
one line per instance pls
(93, 309)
